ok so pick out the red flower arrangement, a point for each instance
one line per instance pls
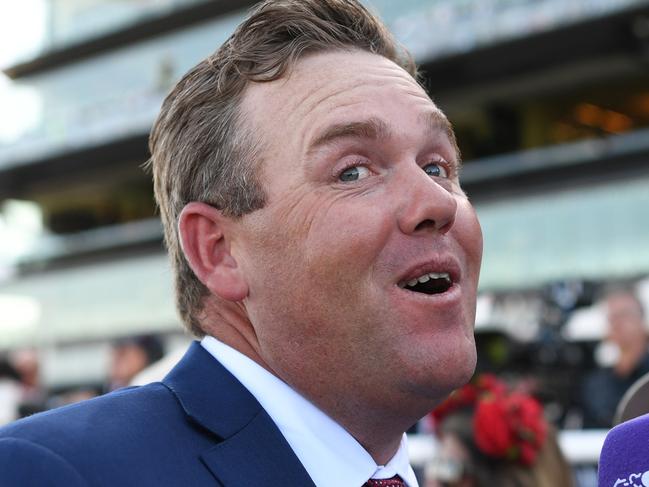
(506, 425)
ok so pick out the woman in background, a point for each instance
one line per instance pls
(490, 436)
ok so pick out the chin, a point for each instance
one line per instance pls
(436, 379)
(458, 374)
(465, 373)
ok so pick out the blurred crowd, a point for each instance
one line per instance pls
(22, 392)
(500, 429)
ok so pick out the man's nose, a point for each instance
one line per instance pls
(428, 203)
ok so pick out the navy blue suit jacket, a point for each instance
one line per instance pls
(198, 427)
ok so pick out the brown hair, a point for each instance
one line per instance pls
(201, 148)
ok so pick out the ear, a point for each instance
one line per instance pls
(205, 238)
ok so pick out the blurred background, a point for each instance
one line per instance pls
(550, 101)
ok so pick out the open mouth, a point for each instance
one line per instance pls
(429, 283)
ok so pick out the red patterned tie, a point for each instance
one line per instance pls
(393, 482)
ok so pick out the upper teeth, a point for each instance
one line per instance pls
(426, 278)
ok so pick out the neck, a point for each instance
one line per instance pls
(382, 451)
(630, 357)
(381, 442)
(228, 323)
(378, 429)
(376, 423)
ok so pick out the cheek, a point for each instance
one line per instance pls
(329, 242)
(346, 238)
(469, 234)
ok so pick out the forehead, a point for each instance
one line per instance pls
(333, 87)
(619, 303)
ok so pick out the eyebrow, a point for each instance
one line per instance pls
(374, 128)
(437, 122)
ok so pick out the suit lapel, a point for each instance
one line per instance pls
(251, 450)
(257, 455)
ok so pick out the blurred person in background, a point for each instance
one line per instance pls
(491, 436)
(624, 354)
(9, 391)
(158, 370)
(129, 356)
(33, 397)
(325, 254)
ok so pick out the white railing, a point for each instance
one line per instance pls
(581, 447)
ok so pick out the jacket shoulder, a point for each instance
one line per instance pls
(26, 464)
(92, 418)
(78, 443)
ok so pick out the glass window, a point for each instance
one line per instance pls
(592, 232)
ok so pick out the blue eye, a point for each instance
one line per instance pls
(435, 169)
(354, 173)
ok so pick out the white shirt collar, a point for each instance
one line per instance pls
(330, 455)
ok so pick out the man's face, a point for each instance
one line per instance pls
(363, 201)
(625, 320)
